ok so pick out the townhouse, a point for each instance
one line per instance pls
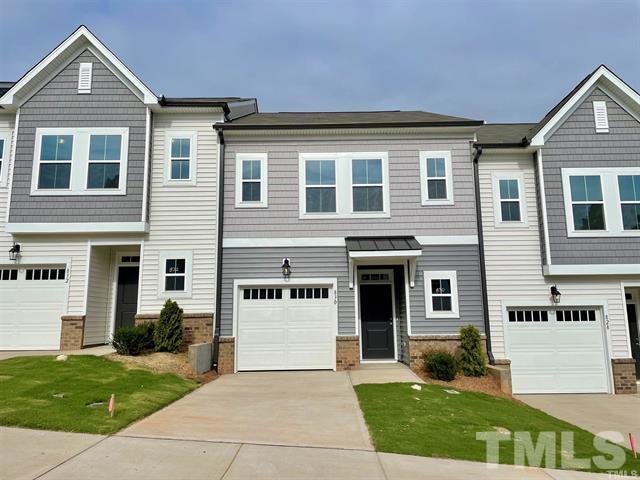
(320, 240)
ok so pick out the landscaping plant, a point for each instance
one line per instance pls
(167, 335)
(471, 357)
(133, 340)
(441, 365)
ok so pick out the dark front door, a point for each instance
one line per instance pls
(127, 299)
(633, 335)
(376, 313)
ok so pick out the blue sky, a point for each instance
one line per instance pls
(494, 60)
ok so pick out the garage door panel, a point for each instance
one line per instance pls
(563, 354)
(278, 330)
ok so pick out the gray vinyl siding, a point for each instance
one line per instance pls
(464, 260)
(408, 216)
(57, 104)
(576, 145)
(306, 262)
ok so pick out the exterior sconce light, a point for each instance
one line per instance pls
(286, 268)
(555, 294)
(14, 252)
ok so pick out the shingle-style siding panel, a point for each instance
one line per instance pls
(408, 217)
(58, 104)
(464, 260)
(513, 263)
(306, 262)
(576, 145)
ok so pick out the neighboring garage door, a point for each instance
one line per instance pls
(286, 328)
(32, 300)
(557, 351)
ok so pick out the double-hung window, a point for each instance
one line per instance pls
(351, 184)
(4, 157)
(436, 178)
(80, 161)
(367, 185)
(441, 294)
(587, 203)
(320, 186)
(509, 202)
(629, 190)
(175, 272)
(105, 154)
(180, 158)
(251, 180)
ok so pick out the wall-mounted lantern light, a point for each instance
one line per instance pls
(286, 268)
(14, 252)
(555, 294)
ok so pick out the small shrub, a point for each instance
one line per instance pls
(133, 340)
(167, 335)
(441, 365)
(471, 358)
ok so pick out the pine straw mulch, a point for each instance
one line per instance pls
(486, 384)
(163, 362)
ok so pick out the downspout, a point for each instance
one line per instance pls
(216, 320)
(483, 271)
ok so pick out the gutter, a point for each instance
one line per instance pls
(483, 270)
(218, 309)
(322, 126)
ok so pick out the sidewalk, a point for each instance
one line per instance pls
(98, 351)
(30, 454)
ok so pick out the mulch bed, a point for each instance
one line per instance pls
(484, 384)
(163, 362)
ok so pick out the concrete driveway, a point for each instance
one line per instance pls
(596, 413)
(315, 409)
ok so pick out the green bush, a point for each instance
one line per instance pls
(471, 358)
(167, 335)
(441, 365)
(133, 340)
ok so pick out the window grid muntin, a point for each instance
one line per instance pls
(267, 293)
(254, 182)
(632, 204)
(591, 199)
(34, 274)
(175, 274)
(436, 177)
(97, 178)
(60, 161)
(329, 188)
(9, 274)
(308, 293)
(441, 295)
(510, 199)
(369, 185)
(180, 157)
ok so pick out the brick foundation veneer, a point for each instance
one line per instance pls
(347, 353)
(226, 355)
(421, 344)
(72, 332)
(196, 327)
(624, 375)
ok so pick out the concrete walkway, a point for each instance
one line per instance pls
(610, 416)
(30, 454)
(99, 351)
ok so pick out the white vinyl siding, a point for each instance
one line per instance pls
(6, 131)
(180, 215)
(5, 145)
(601, 117)
(513, 263)
(99, 297)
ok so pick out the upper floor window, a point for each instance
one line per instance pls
(4, 157)
(587, 204)
(509, 202)
(602, 202)
(180, 158)
(629, 187)
(320, 186)
(367, 185)
(80, 161)
(436, 178)
(251, 180)
(334, 185)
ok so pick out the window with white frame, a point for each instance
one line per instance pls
(4, 157)
(366, 185)
(175, 272)
(251, 180)
(587, 203)
(602, 202)
(335, 185)
(180, 158)
(80, 161)
(629, 190)
(436, 178)
(320, 186)
(441, 294)
(509, 201)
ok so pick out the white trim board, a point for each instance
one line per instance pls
(337, 241)
(85, 227)
(604, 269)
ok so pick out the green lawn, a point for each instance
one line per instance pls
(434, 423)
(30, 389)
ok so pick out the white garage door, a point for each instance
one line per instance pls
(286, 328)
(557, 351)
(32, 300)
